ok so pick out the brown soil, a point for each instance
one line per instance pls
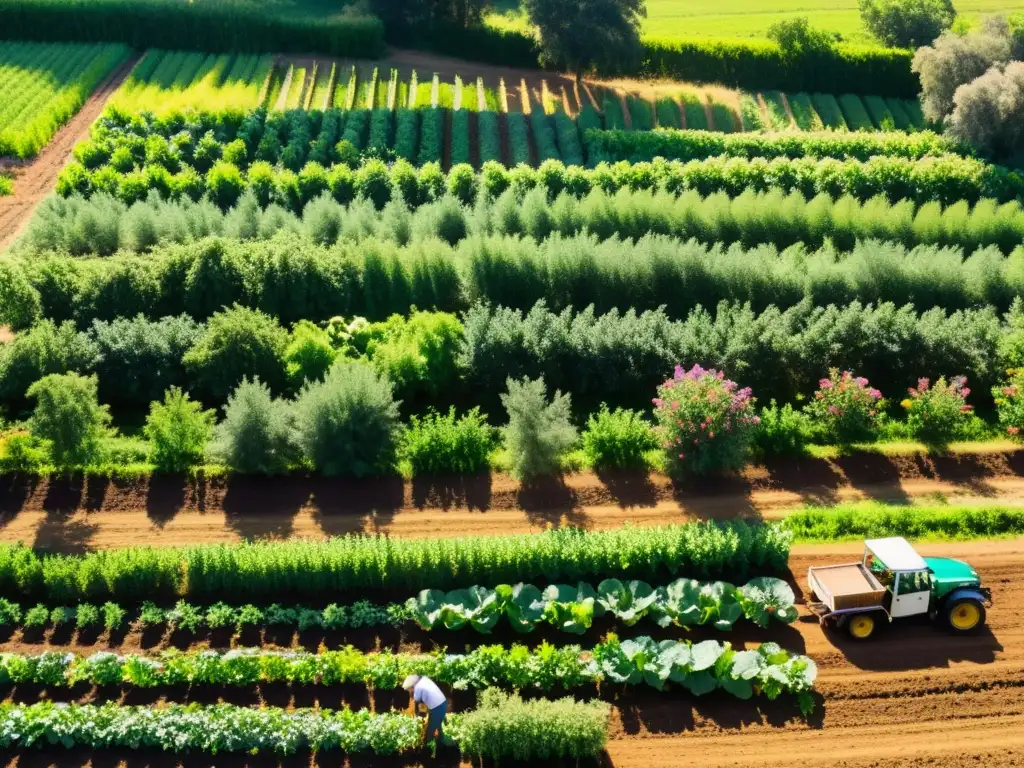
(71, 514)
(914, 696)
(35, 179)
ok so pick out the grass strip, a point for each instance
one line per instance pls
(920, 522)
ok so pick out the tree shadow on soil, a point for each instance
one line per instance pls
(342, 505)
(58, 529)
(165, 497)
(629, 489)
(548, 502)
(15, 490)
(448, 491)
(264, 507)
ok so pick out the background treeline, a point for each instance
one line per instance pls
(454, 29)
(103, 225)
(228, 27)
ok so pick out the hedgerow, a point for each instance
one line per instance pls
(946, 178)
(294, 279)
(633, 146)
(170, 24)
(103, 226)
(489, 137)
(544, 136)
(266, 571)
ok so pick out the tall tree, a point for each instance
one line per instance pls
(582, 34)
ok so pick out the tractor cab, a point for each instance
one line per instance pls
(893, 581)
(904, 574)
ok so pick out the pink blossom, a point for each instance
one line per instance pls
(675, 405)
(875, 394)
(833, 410)
(825, 383)
(711, 434)
(964, 392)
(756, 419)
(658, 402)
(1013, 430)
(861, 381)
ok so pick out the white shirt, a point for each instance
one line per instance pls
(427, 692)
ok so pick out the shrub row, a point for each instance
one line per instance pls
(204, 26)
(267, 571)
(620, 358)
(642, 146)
(101, 225)
(946, 179)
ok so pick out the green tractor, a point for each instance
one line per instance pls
(892, 581)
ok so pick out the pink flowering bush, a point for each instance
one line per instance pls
(845, 408)
(938, 413)
(704, 422)
(1009, 398)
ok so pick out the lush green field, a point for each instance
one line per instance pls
(752, 18)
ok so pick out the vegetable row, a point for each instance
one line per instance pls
(502, 726)
(700, 668)
(684, 602)
(307, 569)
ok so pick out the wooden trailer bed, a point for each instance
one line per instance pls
(841, 587)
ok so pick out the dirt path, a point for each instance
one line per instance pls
(915, 696)
(34, 180)
(72, 515)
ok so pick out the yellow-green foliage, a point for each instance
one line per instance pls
(171, 81)
(42, 86)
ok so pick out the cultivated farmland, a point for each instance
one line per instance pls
(320, 370)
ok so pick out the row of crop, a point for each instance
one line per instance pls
(102, 225)
(700, 668)
(45, 87)
(206, 27)
(168, 82)
(947, 180)
(684, 602)
(644, 146)
(502, 727)
(311, 569)
(129, 141)
(779, 112)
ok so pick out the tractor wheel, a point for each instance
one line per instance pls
(965, 615)
(860, 626)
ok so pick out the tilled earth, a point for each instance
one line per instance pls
(914, 696)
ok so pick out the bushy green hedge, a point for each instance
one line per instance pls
(762, 64)
(194, 26)
(101, 226)
(269, 571)
(620, 357)
(634, 146)
(946, 178)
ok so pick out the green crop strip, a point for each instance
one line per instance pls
(698, 667)
(848, 522)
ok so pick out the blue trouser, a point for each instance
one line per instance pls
(435, 719)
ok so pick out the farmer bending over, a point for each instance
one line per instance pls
(425, 691)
